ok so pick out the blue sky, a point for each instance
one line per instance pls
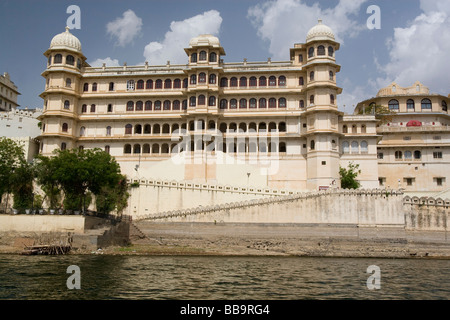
(412, 44)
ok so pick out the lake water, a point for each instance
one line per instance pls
(220, 278)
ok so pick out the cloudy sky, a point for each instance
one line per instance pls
(412, 44)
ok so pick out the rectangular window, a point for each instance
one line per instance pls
(380, 155)
(437, 138)
(439, 181)
(437, 155)
(409, 181)
(382, 181)
(406, 138)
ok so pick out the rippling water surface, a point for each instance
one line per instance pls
(220, 278)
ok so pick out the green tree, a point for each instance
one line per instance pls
(113, 198)
(348, 176)
(45, 168)
(23, 186)
(12, 160)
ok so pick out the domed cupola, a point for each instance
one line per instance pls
(66, 40)
(320, 32)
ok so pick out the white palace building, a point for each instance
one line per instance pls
(271, 124)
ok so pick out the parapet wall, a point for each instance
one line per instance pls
(426, 213)
(361, 207)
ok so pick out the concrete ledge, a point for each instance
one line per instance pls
(42, 223)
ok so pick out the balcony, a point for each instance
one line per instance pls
(413, 129)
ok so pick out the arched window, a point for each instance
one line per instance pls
(282, 103)
(410, 106)
(201, 100)
(156, 129)
(311, 76)
(202, 56)
(157, 105)
(281, 81)
(272, 127)
(212, 57)
(82, 131)
(272, 81)
(355, 147)
(312, 145)
(363, 129)
(311, 99)
(212, 101)
(158, 84)
(165, 148)
(127, 148)
(94, 87)
(194, 58)
(130, 106)
(330, 51)
(302, 104)
(300, 58)
(262, 103)
(58, 58)
(252, 104)
(301, 82)
(138, 129)
(185, 83)
(212, 79)
(253, 82)
(111, 86)
(393, 104)
(243, 104)
(184, 104)
(426, 104)
(331, 99)
(108, 149)
(417, 155)
(192, 101)
(282, 127)
(83, 108)
(272, 103)
(140, 84)
(68, 82)
(344, 129)
(166, 105)
(193, 79)
(128, 129)
(176, 105)
(331, 76)
(262, 127)
(130, 85)
(243, 82)
(86, 87)
(63, 146)
(223, 104)
(147, 129)
(137, 148)
(65, 127)
(78, 63)
(444, 106)
(70, 60)
(233, 82)
(398, 155)
(139, 106)
(233, 104)
(311, 52)
(262, 81)
(149, 84)
(148, 105)
(345, 147)
(364, 147)
(177, 84)
(108, 131)
(202, 77)
(67, 105)
(320, 50)
(146, 148)
(242, 127)
(165, 128)
(223, 127)
(282, 147)
(223, 82)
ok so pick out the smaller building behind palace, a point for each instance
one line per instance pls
(271, 124)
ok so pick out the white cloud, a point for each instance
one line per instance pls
(125, 28)
(179, 35)
(108, 61)
(285, 22)
(420, 51)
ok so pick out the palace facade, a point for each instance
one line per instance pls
(269, 124)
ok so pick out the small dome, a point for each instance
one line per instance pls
(320, 32)
(66, 40)
(204, 40)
